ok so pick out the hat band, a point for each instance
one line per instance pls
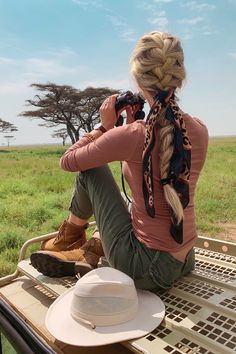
(94, 320)
(83, 321)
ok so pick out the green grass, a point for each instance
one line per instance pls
(6, 347)
(35, 194)
(215, 197)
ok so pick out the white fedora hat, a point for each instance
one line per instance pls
(104, 307)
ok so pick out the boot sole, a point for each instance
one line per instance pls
(55, 267)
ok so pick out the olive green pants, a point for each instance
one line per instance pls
(96, 192)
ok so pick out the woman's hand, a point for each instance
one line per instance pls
(131, 111)
(109, 116)
(108, 113)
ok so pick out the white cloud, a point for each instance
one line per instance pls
(198, 6)
(155, 15)
(160, 20)
(115, 84)
(187, 35)
(163, 1)
(232, 55)
(14, 88)
(9, 40)
(191, 21)
(55, 64)
(158, 17)
(198, 25)
(85, 4)
(126, 33)
(116, 21)
(47, 68)
(209, 32)
(193, 31)
(65, 52)
(17, 74)
(4, 60)
(90, 4)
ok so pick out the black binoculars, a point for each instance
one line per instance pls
(129, 99)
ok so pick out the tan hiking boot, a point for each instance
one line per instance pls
(70, 236)
(64, 263)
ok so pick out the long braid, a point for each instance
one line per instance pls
(158, 67)
(166, 149)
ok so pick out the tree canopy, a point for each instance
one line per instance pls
(61, 133)
(7, 127)
(77, 110)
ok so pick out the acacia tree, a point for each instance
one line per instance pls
(7, 127)
(9, 138)
(61, 133)
(77, 110)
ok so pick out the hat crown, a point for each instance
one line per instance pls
(104, 296)
(105, 282)
(105, 274)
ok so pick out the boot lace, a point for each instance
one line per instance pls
(61, 232)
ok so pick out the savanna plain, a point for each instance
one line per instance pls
(35, 194)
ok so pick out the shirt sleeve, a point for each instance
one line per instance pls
(118, 144)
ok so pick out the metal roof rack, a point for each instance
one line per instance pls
(200, 308)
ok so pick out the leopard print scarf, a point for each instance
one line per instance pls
(180, 163)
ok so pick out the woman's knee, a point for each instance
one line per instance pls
(94, 175)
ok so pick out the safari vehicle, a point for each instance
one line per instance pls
(200, 308)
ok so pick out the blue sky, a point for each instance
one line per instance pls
(89, 42)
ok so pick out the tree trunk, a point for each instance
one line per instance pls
(76, 135)
(71, 135)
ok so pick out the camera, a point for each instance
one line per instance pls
(129, 99)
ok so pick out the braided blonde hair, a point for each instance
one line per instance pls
(158, 63)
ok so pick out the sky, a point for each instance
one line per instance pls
(89, 43)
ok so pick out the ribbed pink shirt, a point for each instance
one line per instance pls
(126, 144)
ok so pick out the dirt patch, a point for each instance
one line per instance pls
(228, 232)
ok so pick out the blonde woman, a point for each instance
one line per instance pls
(162, 159)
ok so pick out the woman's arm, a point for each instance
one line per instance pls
(118, 144)
(97, 148)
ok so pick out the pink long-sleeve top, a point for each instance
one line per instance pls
(126, 144)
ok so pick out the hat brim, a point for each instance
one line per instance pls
(63, 327)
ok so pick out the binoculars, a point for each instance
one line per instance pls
(129, 99)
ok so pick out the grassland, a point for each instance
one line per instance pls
(35, 193)
(215, 197)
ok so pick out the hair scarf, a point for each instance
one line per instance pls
(180, 162)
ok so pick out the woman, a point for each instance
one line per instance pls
(162, 159)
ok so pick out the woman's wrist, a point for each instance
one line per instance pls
(102, 129)
(96, 133)
(105, 127)
(93, 135)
